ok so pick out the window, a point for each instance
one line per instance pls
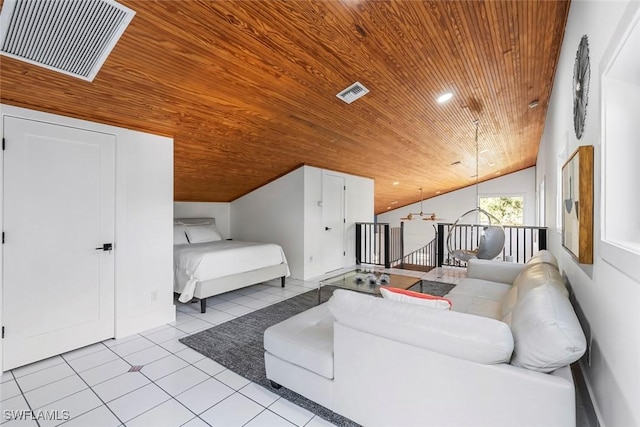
(509, 210)
(542, 214)
(620, 207)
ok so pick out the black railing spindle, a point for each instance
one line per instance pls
(520, 242)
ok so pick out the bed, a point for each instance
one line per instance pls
(206, 265)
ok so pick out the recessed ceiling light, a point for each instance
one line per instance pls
(444, 97)
(394, 202)
(396, 183)
(388, 207)
(483, 151)
(498, 173)
(492, 164)
(438, 192)
(534, 103)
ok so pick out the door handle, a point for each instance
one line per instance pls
(327, 228)
(105, 247)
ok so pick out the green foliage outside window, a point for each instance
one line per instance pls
(508, 210)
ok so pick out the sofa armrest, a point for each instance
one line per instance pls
(495, 271)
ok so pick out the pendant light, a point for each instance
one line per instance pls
(421, 215)
(491, 236)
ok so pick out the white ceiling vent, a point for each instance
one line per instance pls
(353, 92)
(73, 37)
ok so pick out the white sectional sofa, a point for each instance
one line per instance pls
(500, 357)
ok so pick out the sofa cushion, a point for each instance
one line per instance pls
(451, 333)
(305, 339)
(546, 331)
(479, 297)
(477, 306)
(543, 257)
(509, 301)
(493, 270)
(481, 288)
(410, 297)
(538, 275)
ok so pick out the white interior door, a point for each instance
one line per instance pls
(58, 289)
(333, 194)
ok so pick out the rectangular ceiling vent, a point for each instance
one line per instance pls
(73, 37)
(353, 92)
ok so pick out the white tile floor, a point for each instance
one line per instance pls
(176, 386)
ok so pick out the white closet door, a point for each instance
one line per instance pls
(333, 217)
(59, 185)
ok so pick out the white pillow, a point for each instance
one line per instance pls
(179, 236)
(202, 233)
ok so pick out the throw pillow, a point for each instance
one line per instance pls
(401, 295)
(202, 233)
(179, 236)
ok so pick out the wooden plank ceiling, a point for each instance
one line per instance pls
(248, 89)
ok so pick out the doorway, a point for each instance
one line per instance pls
(333, 215)
(58, 276)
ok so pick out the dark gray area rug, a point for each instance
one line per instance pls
(433, 288)
(238, 344)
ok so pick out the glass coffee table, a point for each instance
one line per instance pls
(368, 281)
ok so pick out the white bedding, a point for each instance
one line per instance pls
(204, 261)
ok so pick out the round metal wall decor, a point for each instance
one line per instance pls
(581, 77)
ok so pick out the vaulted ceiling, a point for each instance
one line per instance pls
(247, 89)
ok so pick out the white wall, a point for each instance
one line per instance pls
(274, 213)
(313, 224)
(218, 210)
(360, 208)
(144, 231)
(452, 205)
(608, 297)
(143, 215)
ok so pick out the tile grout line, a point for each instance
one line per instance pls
(131, 391)
(23, 395)
(170, 394)
(93, 391)
(171, 352)
(138, 388)
(274, 413)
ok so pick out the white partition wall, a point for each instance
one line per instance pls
(144, 232)
(289, 211)
(143, 222)
(274, 213)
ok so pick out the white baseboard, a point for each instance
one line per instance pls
(142, 322)
(592, 402)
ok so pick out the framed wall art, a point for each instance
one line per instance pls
(577, 204)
